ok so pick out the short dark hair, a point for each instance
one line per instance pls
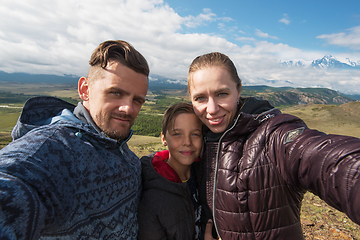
(172, 112)
(122, 52)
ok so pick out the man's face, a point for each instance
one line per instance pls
(114, 100)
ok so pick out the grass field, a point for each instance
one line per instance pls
(8, 117)
(319, 220)
(331, 119)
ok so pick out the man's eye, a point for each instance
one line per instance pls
(222, 94)
(138, 101)
(115, 93)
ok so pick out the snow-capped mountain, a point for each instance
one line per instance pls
(327, 61)
(296, 63)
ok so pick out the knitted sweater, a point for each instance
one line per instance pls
(63, 179)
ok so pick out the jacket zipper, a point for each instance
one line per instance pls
(217, 158)
(215, 172)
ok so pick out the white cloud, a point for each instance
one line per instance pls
(246, 39)
(58, 37)
(264, 35)
(205, 17)
(285, 19)
(349, 38)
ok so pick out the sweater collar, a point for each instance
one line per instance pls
(81, 113)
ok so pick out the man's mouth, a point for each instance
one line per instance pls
(122, 117)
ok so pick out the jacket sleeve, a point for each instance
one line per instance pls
(327, 165)
(35, 188)
(21, 211)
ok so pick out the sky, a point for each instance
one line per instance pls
(58, 37)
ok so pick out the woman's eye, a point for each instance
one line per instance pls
(199, 99)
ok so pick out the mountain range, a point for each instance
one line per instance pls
(160, 82)
(328, 61)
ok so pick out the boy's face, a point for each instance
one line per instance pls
(184, 139)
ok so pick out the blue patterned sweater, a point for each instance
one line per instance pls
(61, 178)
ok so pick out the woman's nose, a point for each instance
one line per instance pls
(212, 106)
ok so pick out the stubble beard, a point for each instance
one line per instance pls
(105, 125)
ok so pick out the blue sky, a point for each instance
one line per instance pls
(58, 36)
(296, 23)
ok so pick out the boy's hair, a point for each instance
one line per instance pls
(119, 51)
(172, 112)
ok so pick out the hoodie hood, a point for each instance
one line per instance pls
(164, 169)
(44, 111)
(171, 182)
(39, 111)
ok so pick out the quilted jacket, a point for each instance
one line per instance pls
(62, 179)
(257, 172)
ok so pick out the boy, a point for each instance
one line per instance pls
(168, 206)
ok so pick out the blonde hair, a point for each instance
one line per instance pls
(214, 59)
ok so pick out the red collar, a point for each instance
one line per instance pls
(164, 169)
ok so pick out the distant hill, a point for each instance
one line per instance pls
(287, 96)
(282, 96)
(37, 78)
(331, 119)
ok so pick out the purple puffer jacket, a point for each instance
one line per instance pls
(259, 170)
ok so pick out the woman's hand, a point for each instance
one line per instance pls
(208, 231)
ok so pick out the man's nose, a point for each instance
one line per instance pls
(126, 106)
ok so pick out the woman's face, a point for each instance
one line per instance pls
(214, 96)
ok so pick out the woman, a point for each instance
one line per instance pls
(258, 163)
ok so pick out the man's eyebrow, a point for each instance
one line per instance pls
(115, 89)
(122, 91)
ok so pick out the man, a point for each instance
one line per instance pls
(69, 174)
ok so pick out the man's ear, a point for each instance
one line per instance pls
(83, 88)
(163, 140)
